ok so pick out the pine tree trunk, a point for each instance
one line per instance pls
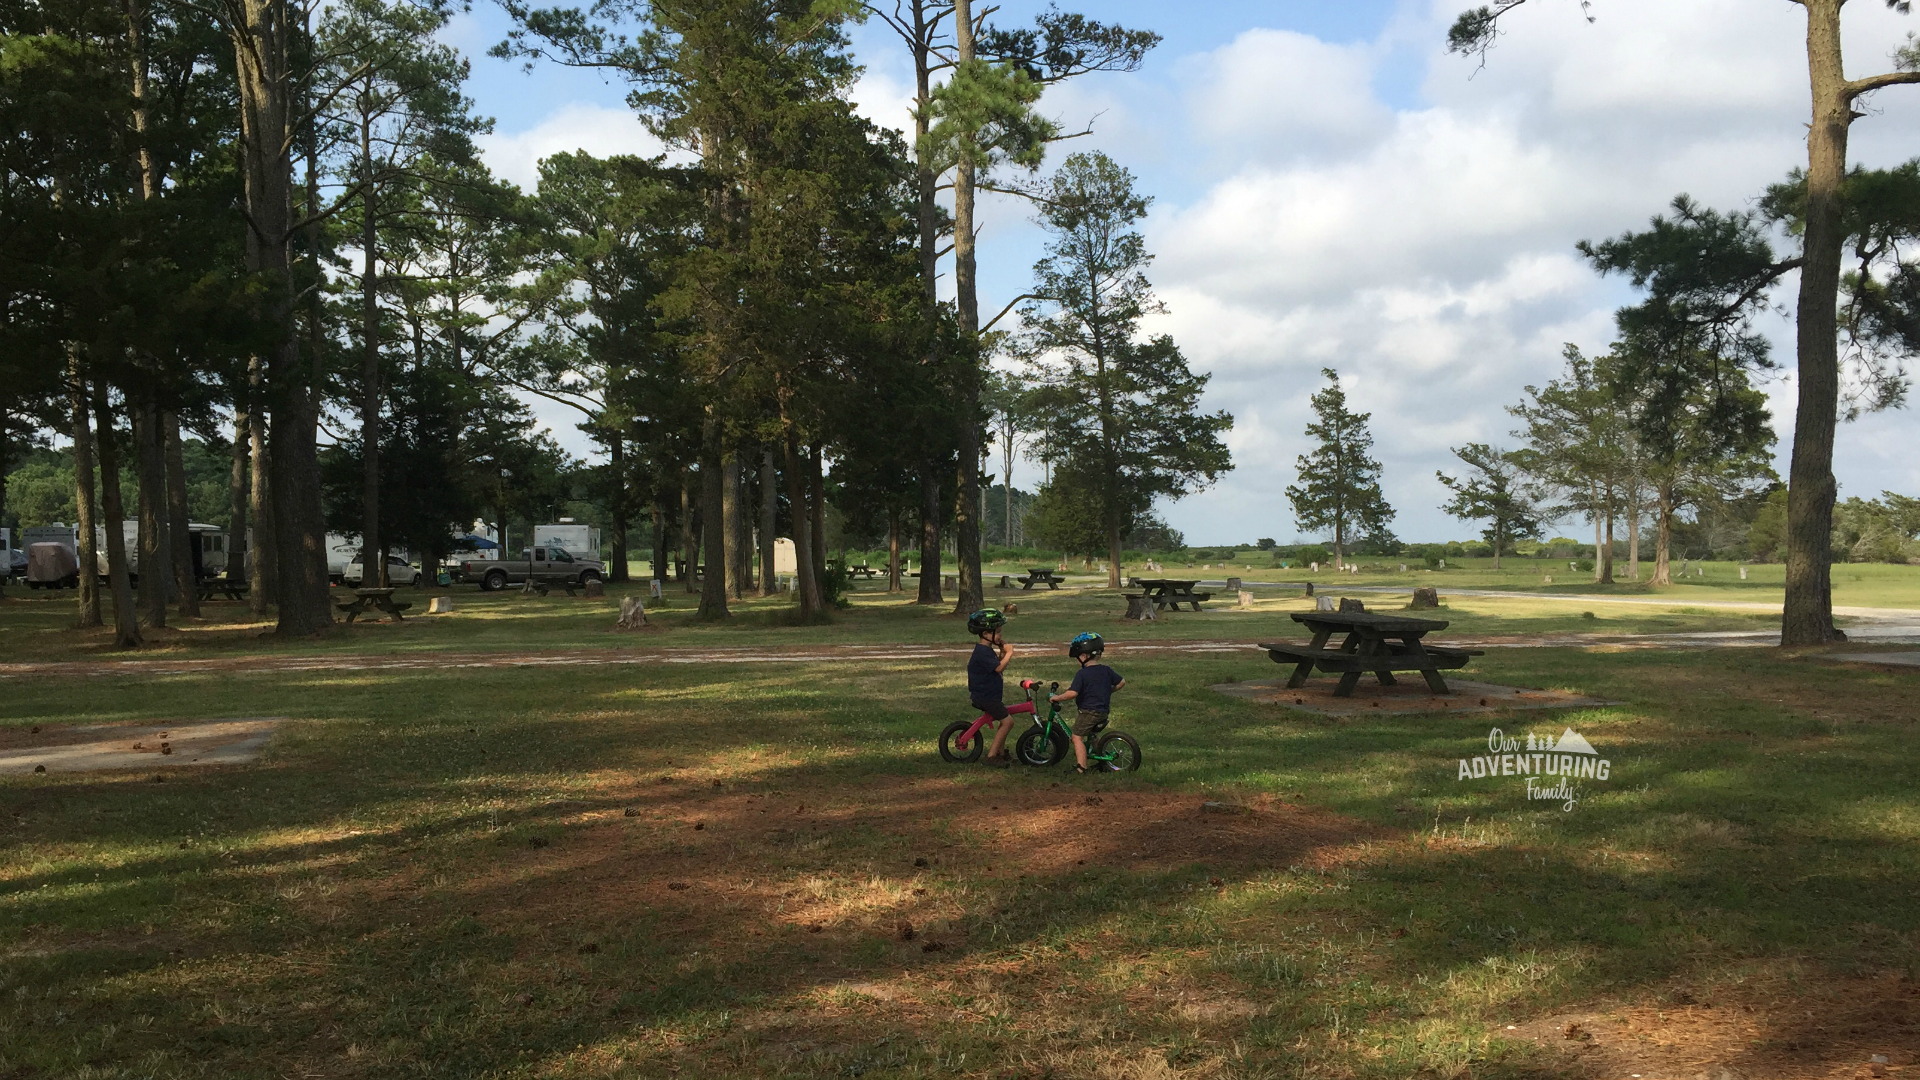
(805, 586)
(617, 512)
(1663, 537)
(265, 85)
(966, 496)
(262, 552)
(929, 537)
(180, 536)
(83, 494)
(730, 525)
(156, 556)
(1633, 531)
(237, 494)
(817, 514)
(126, 627)
(769, 521)
(659, 559)
(1605, 563)
(893, 549)
(1808, 615)
(373, 574)
(689, 535)
(713, 547)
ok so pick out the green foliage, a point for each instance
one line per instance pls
(1885, 530)
(1498, 493)
(1120, 417)
(1339, 488)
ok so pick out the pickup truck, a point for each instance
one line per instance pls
(549, 564)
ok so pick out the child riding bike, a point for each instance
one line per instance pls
(1091, 691)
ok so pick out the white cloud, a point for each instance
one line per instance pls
(1427, 252)
(597, 129)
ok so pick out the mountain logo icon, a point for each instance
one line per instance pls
(1572, 742)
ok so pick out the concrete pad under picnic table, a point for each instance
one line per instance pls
(1897, 659)
(1407, 696)
(58, 748)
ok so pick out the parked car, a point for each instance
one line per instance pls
(399, 572)
(550, 564)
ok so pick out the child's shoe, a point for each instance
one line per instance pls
(1000, 760)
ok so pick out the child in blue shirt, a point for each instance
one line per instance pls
(1091, 692)
(986, 685)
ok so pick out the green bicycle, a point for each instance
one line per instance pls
(1048, 742)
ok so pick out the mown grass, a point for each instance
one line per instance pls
(35, 626)
(369, 900)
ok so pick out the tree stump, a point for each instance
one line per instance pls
(1426, 598)
(1140, 608)
(1348, 603)
(1323, 603)
(633, 614)
(1233, 584)
(595, 589)
(1246, 600)
(440, 605)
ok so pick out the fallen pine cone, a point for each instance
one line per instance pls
(537, 841)
(907, 932)
(165, 749)
(588, 948)
(933, 946)
(699, 825)
(630, 812)
(815, 928)
(43, 768)
(676, 886)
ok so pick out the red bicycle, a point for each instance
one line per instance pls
(960, 742)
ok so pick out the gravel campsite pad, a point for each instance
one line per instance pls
(58, 748)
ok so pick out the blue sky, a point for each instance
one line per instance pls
(1333, 190)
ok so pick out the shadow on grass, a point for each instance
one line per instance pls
(371, 899)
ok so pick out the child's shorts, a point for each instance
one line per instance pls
(995, 709)
(1089, 721)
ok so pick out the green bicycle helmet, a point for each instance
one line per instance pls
(1088, 644)
(984, 621)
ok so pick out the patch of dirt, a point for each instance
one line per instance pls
(60, 748)
(732, 864)
(1761, 1028)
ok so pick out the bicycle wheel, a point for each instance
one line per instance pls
(1117, 752)
(1041, 746)
(954, 753)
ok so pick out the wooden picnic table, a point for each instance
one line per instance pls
(862, 570)
(231, 588)
(1165, 593)
(1041, 575)
(1382, 644)
(377, 599)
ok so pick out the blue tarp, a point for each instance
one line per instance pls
(478, 543)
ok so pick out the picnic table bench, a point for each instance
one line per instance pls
(1040, 575)
(231, 588)
(1382, 644)
(377, 599)
(1170, 593)
(862, 570)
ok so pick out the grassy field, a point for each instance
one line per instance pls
(763, 870)
(36, 627)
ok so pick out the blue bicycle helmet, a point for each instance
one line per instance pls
(1088, 644)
